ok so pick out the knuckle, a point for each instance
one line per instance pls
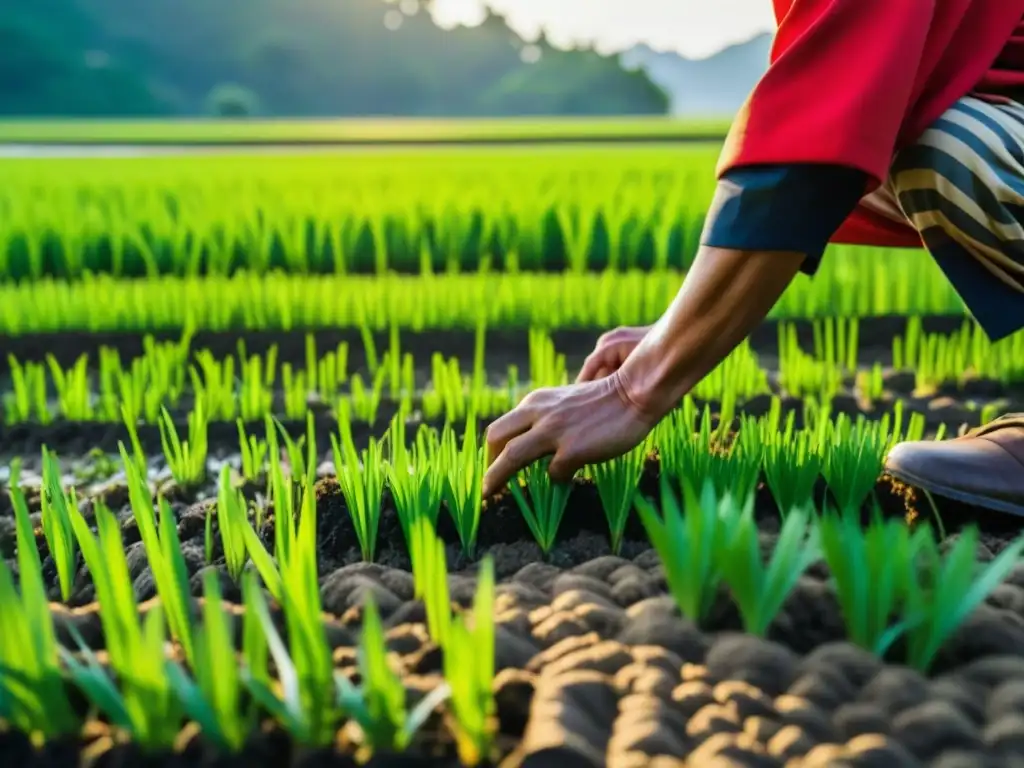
(530, 399)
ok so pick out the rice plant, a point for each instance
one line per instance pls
(689, 545)
(760, 589)
(361, 476)
(464, 468)
(544, 508)
(33, 698)
(617, 481)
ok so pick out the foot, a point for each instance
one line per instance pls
(985, 467)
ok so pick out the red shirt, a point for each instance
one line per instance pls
(851, 82)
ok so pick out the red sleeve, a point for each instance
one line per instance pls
(839, 87)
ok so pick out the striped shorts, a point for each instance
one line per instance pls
(961, 185)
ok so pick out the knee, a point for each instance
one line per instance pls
(938, 186)
(959, 166)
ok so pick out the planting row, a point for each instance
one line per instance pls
(173, 375)
(440, 212)
(849, 284)
(696, 444)
(330, 214)
(228, 627)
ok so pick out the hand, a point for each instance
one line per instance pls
(577, 424)
(611, 352)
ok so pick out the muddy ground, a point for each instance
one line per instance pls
(952, 405)
(597, 667)
(875, 341)
(596, 664)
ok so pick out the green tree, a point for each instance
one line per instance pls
(296, 58)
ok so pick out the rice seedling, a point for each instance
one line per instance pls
(304, 700)
(232, 520)
(464, 469)
(301, 464)
(378, 706)
(32, 685)
(365, 401)
(617, 481)
(802, 374)
(56, 522)
(704, 455)
(546, 504)
(159, 378)
(27, 400)
(853, 460)
(871, 569)
(760, 589)
(416, 485)
(689, 545)
(950, 589)
(296, 392)
(213, 382)
(792, 465)
(163, 551)
(138, 457)
(144, 704)
(361, 476)
(186, 459)
(253, 453)
(308, 703)
(256, 393)
(73, 388)
(469, 670)
(430, 577)
(213, 699)
(255, 657)
(389, 213)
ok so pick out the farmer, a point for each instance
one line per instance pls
(880, 122)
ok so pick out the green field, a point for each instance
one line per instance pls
(359, 131)
(440, 211)
(540, 208)
(243, 409)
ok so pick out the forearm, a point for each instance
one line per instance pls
(725, 295)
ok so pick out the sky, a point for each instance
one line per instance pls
(694, 28)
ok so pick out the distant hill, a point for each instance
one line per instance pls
(711, 87)
(294, 58)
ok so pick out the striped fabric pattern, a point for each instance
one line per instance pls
(961, 185)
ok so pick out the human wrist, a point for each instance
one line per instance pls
(653, 380)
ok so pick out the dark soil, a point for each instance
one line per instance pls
(951, 405)
(78, 438)
(597, 667)
(504, 346)
(268, 749)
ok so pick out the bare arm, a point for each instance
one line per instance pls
(725, 295)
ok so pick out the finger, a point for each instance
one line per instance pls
(564, 466)
(595, 362)
(511, 425)
(518, 454)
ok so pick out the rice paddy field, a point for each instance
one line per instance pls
(244, 399)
